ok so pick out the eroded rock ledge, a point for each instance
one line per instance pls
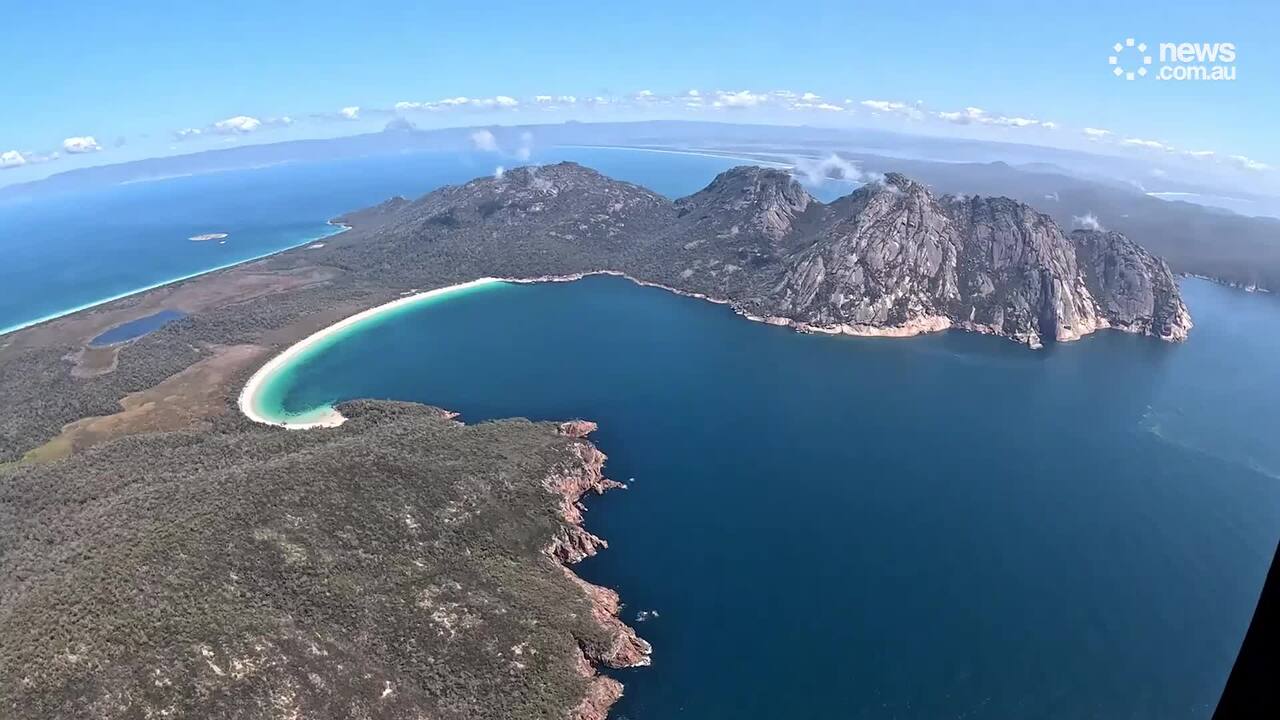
(623, 647)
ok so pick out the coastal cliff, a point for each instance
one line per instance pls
(891, 258)
(1135, 290)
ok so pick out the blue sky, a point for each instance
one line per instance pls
(131, 74)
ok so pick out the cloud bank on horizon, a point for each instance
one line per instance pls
(749, 105)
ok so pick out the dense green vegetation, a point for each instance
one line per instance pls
(393, 567)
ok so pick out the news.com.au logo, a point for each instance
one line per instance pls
(1131, 60)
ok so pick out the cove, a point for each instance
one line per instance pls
(941, 526)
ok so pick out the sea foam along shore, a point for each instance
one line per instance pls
(251, 395)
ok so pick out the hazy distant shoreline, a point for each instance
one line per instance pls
(191, 276)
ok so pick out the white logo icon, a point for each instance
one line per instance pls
(1134, 55)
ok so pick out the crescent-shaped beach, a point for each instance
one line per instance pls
(250, 401)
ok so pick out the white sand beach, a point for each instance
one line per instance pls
(328, 417)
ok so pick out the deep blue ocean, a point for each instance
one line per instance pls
(948, 526)
(68, 251)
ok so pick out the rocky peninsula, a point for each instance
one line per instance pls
(889, 259)
(405, 565)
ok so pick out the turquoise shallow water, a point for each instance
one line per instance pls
(948, 526)
(69, 251)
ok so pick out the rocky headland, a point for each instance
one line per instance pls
(891, 258)
(403, 565)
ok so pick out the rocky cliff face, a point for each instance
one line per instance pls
(1135, 290)
(885, 256)
(889, 259)
(892, 258)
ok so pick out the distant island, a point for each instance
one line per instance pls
(207, 563)
(208, 236)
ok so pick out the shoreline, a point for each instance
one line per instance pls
(249, 396)
(342, 228)
(330, 417)
(572, 545)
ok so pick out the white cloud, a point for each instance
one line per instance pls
(525, 151)
(893, 107)
(461, 101)
(350, 113)
(1150, 144)
(883, 105)
(1248, 163)
(807, 101)
(815, 172)
(185, 133)
(694, 93)
(963, 117)
(81, 144)
(739, 99)
(10, 159)
(237, 125)
(484, 140)
(498, 172)
(1014, 121)
(1088, 221)
(978, 116)
(1095, 133)
(554, 102)
(1199, 153)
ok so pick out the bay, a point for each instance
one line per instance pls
(948, 526)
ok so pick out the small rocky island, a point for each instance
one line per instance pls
(166, 557)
